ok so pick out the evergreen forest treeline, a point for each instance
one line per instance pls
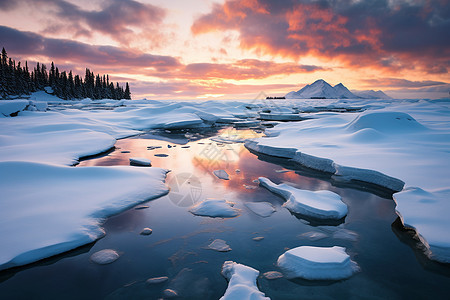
(18, 80)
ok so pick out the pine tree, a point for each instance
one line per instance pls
(127, 94)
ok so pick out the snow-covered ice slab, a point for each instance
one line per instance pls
(317, 204)
(222, 174)
(281, 117)
(242, 282)
(262, 209)
(140, 161)
(317, 263)
(46, 209)
(427, 213)
(214, 208)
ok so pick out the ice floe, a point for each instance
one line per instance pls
(104, 257)
(65, 205)
(219, 245)
(157, 280)
(214, 208)
(317, 204)
(140, 161)
(241, 282)
(146, 231)
(271, 275)
(317, 263)
(221, 174)
(262, 209)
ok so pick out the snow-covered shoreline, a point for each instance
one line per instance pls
(401, 146)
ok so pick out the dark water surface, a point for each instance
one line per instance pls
(177, 248)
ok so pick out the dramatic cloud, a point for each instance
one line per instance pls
(122, 20)
(392, 35)
(239, 70)
(31, 44)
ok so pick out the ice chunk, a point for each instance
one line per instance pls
(317, 263)
(319, 204)
(221, 174)
(258, 238)
(262, 209)
(49, 199)
(271, 275)
(146, 231)
(214, 208)
(105, 256)
(156, 280)
(219, 245)
(169, 293)
(139, 161)
(242, 282)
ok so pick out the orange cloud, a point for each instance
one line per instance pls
(376, 35)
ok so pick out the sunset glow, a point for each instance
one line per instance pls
(236, 49)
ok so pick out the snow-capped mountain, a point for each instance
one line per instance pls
(371, 94)
(322, 89)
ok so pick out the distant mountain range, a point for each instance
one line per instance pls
(321, 89)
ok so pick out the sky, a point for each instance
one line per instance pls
(227, 49)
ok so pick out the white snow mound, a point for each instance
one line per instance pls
(214, 208)
(423, 211)
(318, 204)
(317, 263)
(242, 282)
(46, 209)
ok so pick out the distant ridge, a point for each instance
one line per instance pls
(321, 89)
(371, 94)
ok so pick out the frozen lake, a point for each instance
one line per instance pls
(392, 265)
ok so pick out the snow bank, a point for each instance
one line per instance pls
(318, 204)
(317, 263)
(242, 282)
(214, 208)
(10, 107)
(394, 144)
(427, 213)
(62, 147)
(46, 209)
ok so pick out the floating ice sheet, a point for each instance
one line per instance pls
(319, 204)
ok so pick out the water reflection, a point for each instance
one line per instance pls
(177, 248)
